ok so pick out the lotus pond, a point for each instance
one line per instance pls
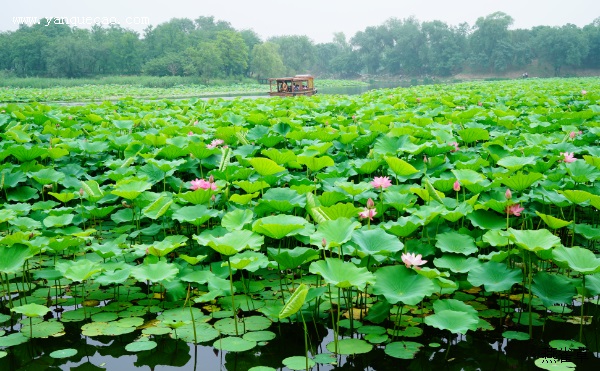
(437, 226)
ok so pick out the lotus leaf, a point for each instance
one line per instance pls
(494, 276)
(400, 284)
(342, 274)
(576, 258)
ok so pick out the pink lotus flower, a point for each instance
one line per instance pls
(456, 186)
(190, 133)
(508, 194)
(381, 182)
(370, 203)
(572, 135)
(215, 143)
(568, 156)
(202, 184)
(456, 147)
(583, 92)
(367, 213)
(413, 260)
(514, 209)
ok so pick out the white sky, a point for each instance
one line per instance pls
(317, 19)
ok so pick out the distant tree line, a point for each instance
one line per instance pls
(213, 49)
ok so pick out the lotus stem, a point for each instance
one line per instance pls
(305, 339)
(582, 304)
(529, 279)
(232, 298)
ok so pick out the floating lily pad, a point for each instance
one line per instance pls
(63, 353)
(234, 344)
(350, 346)
(259, 336)
(515, 335)
(139, 346)
(403, 349)
(13, 339)
(298, 363)
(554, 364)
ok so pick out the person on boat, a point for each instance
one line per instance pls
(284, 86)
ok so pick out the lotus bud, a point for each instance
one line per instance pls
(572, 134)
(213, 198)
(370, 203)
(456, 186)
(508, 194)
(48, 186)
(211, 179)
(324, 242)
(81, 192)
(425, 160)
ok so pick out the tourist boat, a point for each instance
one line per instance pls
(292, 86)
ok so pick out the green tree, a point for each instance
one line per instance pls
(265, 61)
(204, 61)
(405, 50)
(561, 46)
(592, 33)
(445, 48)
(369, 47)
(234, 52)
(490, 42)
(171, 64)
(297, 53)
(72, 56)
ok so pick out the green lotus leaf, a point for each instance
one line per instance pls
(553, 289)
(158, 207)
(456, 243)
(13, 257)
(26, 154)
(342, 274)
(516, 335)
(251, 187)
(195, 215)
(554, 364)
(31, 310)
(576, 258)
(58, 220)
(265, 166)
(281, 157)
(534, 240)
(197, 197)
(200, 151)
(281, 200)
(341, 210)
(456, 263)
(164, 165)
(80, 270)
(514, 163)
(487, 220)
(315, 163)
(47, 176)
(43, 329)
(400, 284)
(92, 189)
(13, 339)
(235, 241)
(157, 272)
(193, 260)
(471, 135)
(587, 231)
(63, 353)
(292, 258)
(140, 346)
(404, 226)
(350, 346)
(353, 189)
(454, 316)
(234, 344)
(403, 349)
(576, 196)
(582, 172)
(279, 226)
(164, 247)
(295, 302)
(298, 363)
(21, 194)
(494, 276)
(553, 222)
(334, 232)
(468, 177)
(117, 276)
(237, 219)
(366, 166)
(63, 197)
(130, 188)
(375, 242)
(400, 167)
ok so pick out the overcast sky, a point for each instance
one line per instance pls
(317, 19)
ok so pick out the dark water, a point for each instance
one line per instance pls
(481, 350)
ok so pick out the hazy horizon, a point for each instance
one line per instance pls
(318, 20)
